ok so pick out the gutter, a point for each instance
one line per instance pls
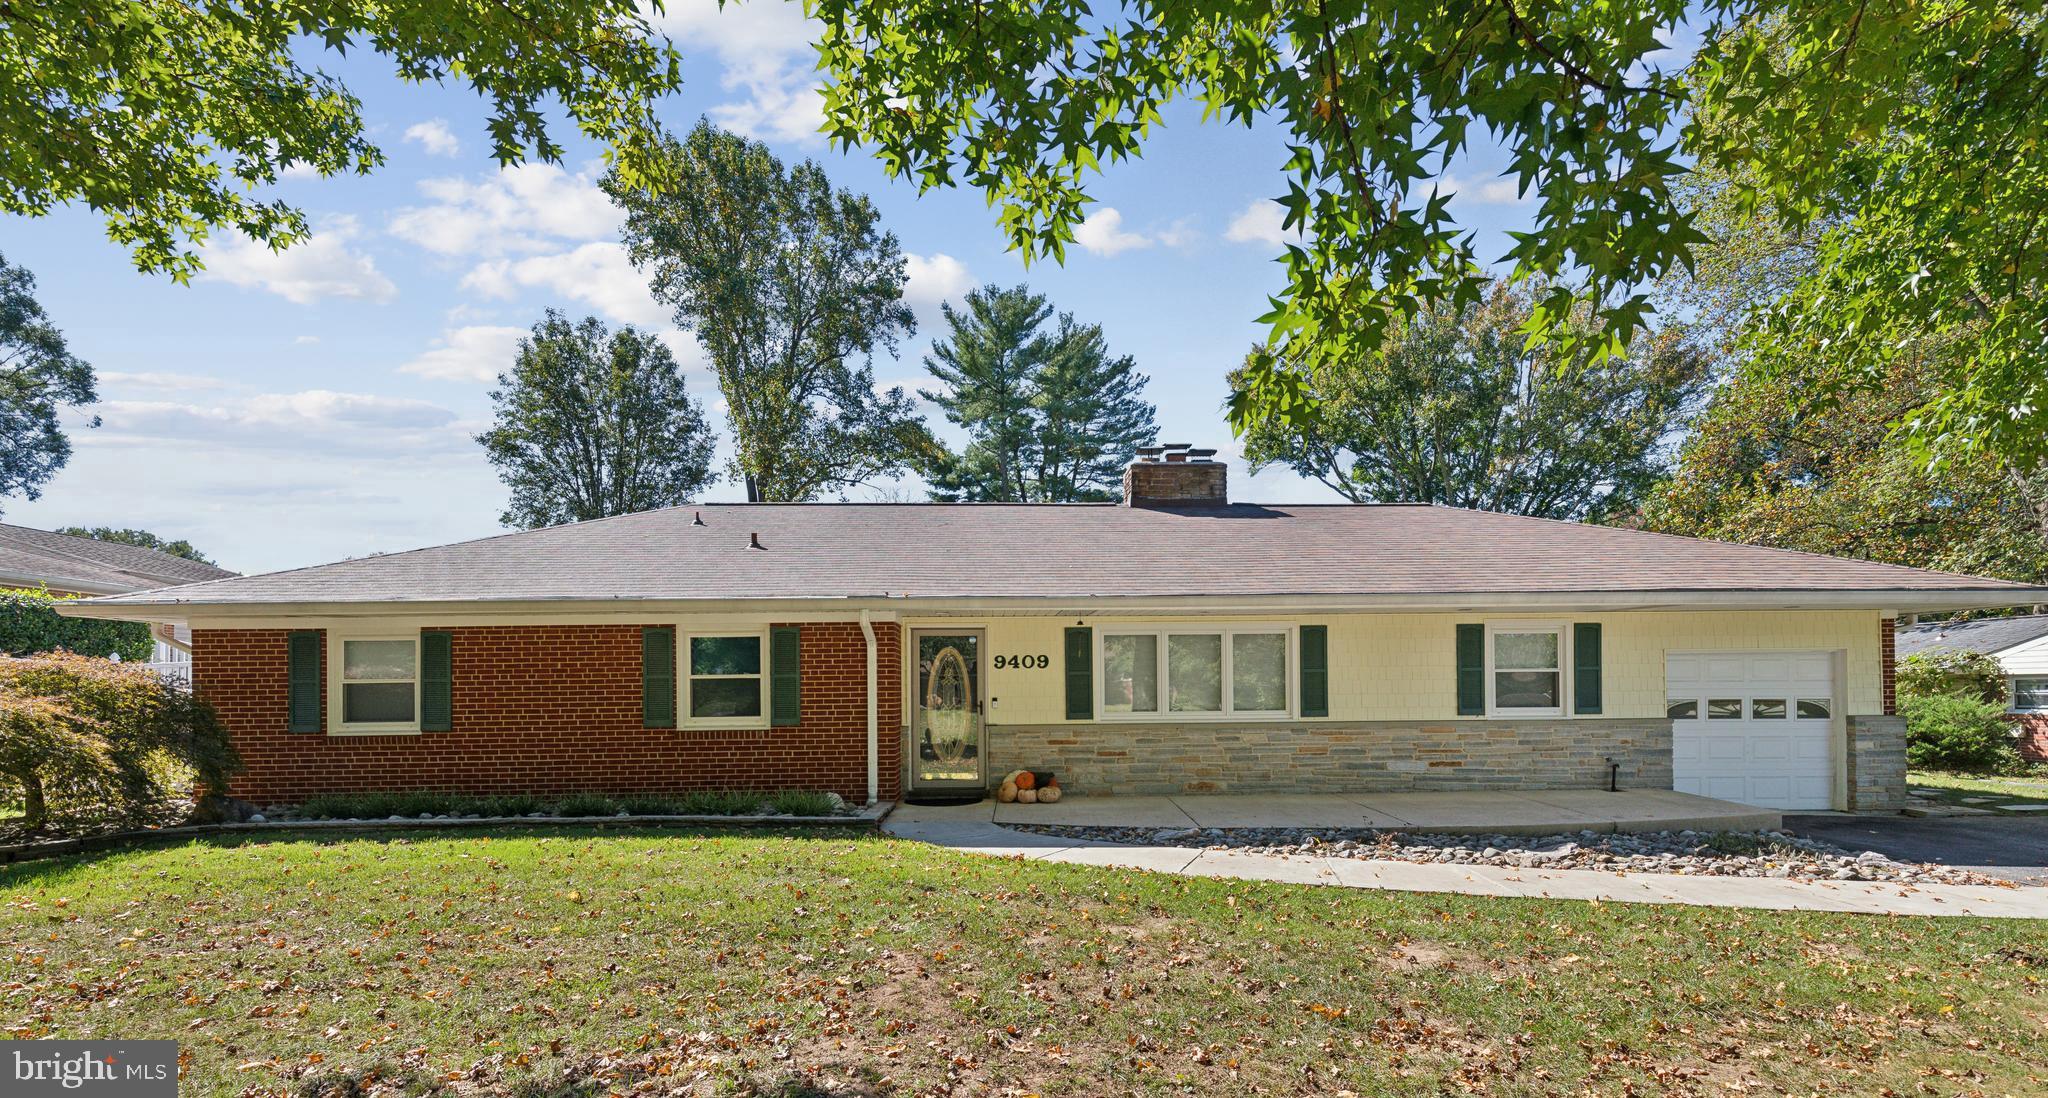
(867, 629)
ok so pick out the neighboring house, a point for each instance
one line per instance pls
(70, 565)
(2020, 645)
(1175, 643)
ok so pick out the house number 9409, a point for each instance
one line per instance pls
(1022, 663)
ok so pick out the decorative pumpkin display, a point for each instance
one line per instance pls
(1007, 792)
(1049, 794)
(1027, 796)
(1026, 780)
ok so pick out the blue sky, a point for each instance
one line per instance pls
(291, 409)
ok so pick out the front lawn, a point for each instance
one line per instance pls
(519, 961)
(1971, 790)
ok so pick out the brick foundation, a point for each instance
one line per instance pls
(2033, 736)
(1374, 756)
(554, 709)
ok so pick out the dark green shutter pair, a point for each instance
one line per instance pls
(1315, 672)
(436, 670)
(658, 676)
(1585, 669)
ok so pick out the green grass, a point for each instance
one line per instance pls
(523, 961)
(1957, 788)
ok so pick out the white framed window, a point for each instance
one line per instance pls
(377, 691)
(2029, 693)
(1195, 672)
(1525, 669)
(725, 679)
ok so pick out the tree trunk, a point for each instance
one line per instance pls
(753, 489)
(34, 810)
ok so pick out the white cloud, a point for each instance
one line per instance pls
(476, 353)
(1258, 223)
(1103, 233)
(434, 136)
(599, 275)
(314, 420)
(157, 381)
(322, 266)
(765, 54)
(1484, 192)
(524, 208)
(932, 280)
(306, 340)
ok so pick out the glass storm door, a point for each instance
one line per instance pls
(945, 749)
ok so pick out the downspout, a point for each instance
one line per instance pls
(867, 629)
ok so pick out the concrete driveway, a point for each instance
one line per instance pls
(1997, 846)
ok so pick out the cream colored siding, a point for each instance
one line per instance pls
(1394, 667)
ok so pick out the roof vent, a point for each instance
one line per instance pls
(699, 520)
(756, 541)
(1175, 474)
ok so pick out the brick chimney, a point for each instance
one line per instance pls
(1176, 475)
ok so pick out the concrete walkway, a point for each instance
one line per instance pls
(972, 829)
(1548, 812)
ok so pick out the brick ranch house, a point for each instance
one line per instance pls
(1175, 642)
(2020, 645)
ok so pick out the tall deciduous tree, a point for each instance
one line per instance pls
(1920, 124)
(592, 423)
(169, 119)
(39, 376)
(141, 539)
(1050, 416)
(791, 286)
(1464, 411)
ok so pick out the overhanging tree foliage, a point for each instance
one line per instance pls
(1050, 416)
(141, 539)
(1463, 411)
(38, 377)
(791, 286)
(592, 423)
(168, 119)
(29, 625)
(1921, 124)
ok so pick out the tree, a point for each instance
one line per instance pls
(1050, 416)
(1919, 125)
(94, 736)
(1464, 411)
(786, 282)
(592, 423)
(30, 625)
(38, 376)
(169, 119)
(141, 539)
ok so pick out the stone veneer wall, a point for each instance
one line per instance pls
(1877, 764)
(1328, 757)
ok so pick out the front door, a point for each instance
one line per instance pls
(945, 740)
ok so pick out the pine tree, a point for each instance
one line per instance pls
(1050, 416)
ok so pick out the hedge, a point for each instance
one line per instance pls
(28, 627)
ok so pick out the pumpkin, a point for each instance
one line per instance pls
(1007, 793)
(1049, 794)
(1025, 780)
(1027, 796)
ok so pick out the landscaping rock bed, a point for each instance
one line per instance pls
(1772, 854)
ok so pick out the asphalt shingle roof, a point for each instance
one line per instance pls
(1060, 551)
(54, 558)
(1986, 635)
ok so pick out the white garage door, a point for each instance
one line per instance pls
(1752, 727)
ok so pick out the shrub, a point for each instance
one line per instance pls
(1953, 672)
(29, 627)
(710, 802)
(648, 805)
(1949, 732)
(802, 802)
(513, 804)
(587, 804)
(92, 736)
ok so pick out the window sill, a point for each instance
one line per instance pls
(1175, 718)
(393, 730)
(722, 726)
(1521, 714)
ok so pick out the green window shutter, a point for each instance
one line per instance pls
(1080, 673)
(1586, 667)
(437, 682)
(658, 677)
(1471, 670)
(303, 695)
(1315, 670)
(785, 676)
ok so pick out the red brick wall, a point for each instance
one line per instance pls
(555, 709)
(1888, 664)
(2033, 736)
